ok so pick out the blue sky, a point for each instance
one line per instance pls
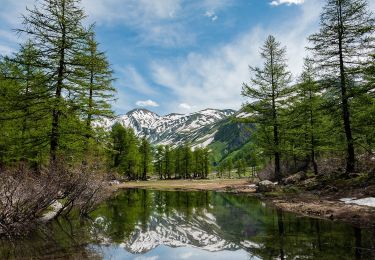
(184, 55)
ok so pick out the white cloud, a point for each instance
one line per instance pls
(147, 103)
(6, 50)
(131, 11)
(288, 2)
(185, 106)
(131, 78)
(211, 15)
(214, 78)
(157, 23)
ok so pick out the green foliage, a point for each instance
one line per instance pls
(126, 156)
(146, 157)
(342, 49)
(24, 105)
(181, 162)
(268, 90)
(330, 111)
(54, 89)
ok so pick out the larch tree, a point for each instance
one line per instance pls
(55, 26)
(267, 92)
(146, 157)
(30, 102)
(342, 48)
(168, 162)
(24, 107)
(304, 115)
(159, 155)
(94, 90)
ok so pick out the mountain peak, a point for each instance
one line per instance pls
(140, 110)
(174, 129)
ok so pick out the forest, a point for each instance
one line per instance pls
(59, 84)
(325, 122)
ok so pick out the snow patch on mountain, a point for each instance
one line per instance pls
(172, 129)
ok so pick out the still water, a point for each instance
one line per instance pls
(143, 224)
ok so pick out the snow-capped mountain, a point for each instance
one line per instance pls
(175, 231)
(174, 129)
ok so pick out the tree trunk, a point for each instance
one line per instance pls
(315, 166)
(56, 112)
(275, 126)
(350, 162)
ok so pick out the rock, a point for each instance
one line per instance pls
(266, 186)
(295, 178)
(329, 188)
(114, 182)
(56, 206)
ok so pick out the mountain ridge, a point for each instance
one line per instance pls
(196, 128)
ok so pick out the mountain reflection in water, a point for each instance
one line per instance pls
(141, 224)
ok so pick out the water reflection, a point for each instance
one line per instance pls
(193, 225)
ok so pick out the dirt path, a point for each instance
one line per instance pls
(234, 185)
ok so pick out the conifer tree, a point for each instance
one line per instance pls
(305, 117)
(125, 151)
(241, 167)
(268, 90)
(168, 161)
(55, 26)
(229, 166)
(178, 162)
(146, 157)
(159, 159)
(94, 90)
(206, 162)
(24, 105)
(187, 157)
(342, 48)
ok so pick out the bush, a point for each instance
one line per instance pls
(25, 196)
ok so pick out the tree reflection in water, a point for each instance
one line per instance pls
(159, 222)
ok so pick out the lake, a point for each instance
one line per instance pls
(144, 224)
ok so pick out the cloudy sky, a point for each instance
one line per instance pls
(184, 55)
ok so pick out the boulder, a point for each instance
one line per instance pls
(266, 186)
(292, 179)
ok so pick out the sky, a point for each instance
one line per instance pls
(181, 56)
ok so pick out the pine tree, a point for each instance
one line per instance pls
(206, 162)
(94, 90)
(305, 117)
(55, 26)
(146, 157)
(178, 162)
(168, 162)
(229, 166)
(342, 48)
(187, 158)
(159, 159)
(268, 90)
(241, 167)
(125, 151)
(118, 135)
(24, 106)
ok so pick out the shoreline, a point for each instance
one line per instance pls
(308, 204)
(226, 185)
